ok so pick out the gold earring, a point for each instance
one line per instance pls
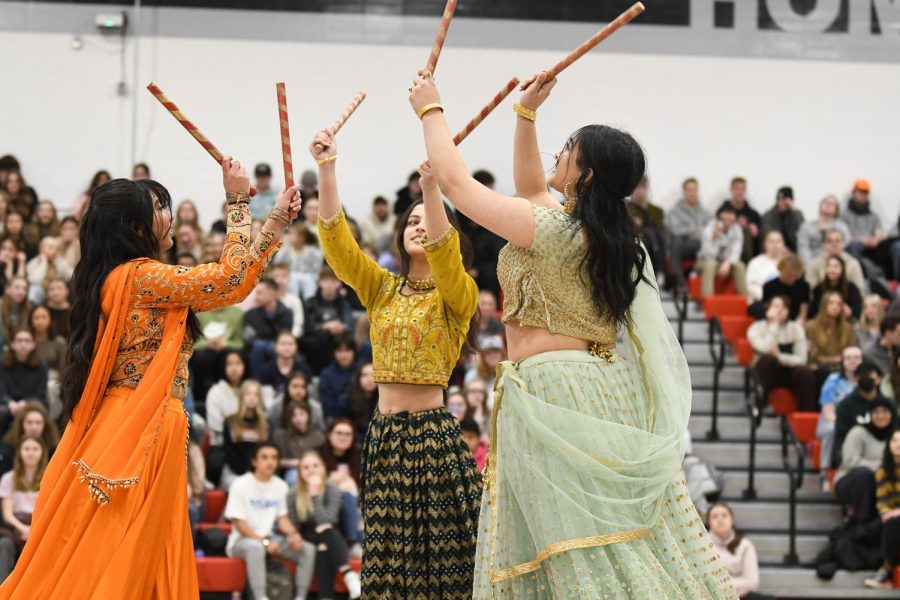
(566, 192)
(569, 204)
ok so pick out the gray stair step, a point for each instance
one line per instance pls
(803, 583)
(774, 515)
(697, 354)
(730, 402)
(730, 377)
(770, 484)
(737, 454)
(771, 547)
(734, 427)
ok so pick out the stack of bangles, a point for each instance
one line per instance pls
(430, 107)
(232, 198)
(277, 215)
(326, 160)
(525, 113)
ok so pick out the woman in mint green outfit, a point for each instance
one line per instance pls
(584, 493)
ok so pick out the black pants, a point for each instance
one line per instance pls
(856, 489)
(331, 554)
(799, 379)
(682, 248)
(890, 541)
(206, 369)
(756, 596)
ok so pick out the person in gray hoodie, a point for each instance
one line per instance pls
(864, 224)
(685, 223)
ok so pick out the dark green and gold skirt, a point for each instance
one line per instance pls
(420, 498)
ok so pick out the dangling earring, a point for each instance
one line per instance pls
(569, 205)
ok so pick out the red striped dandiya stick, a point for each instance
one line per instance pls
(598, 37)
(285, 135)
(441, 35)
(351, 108)
(187, 124)
(484, 112)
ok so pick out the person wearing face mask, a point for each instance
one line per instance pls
(861, 454)
(854, 409)
(837, 386)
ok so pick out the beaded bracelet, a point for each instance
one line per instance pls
(237, 197)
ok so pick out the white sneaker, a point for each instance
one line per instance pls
(354, 587)
(356, 551)
(881, 580)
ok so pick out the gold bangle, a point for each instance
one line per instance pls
(429, 107)
(525, 113)
(287, 212)
(326, 160)
(237, 198)
(279, 218)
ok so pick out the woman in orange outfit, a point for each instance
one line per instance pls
(111, 519)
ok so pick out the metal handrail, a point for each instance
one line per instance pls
(681, 306)
(753, 402)
(795, 477)
(716, 341)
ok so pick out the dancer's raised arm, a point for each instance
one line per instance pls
(528, 169)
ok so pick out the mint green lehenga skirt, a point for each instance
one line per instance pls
(584, 498)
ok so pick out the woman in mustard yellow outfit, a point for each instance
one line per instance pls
(584, 493)
(111, 519)
(420, 486)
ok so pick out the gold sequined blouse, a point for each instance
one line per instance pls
(545, 286)
(416, 338)
(157, 286)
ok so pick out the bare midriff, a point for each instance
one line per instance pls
(523, 341)
(395, 398)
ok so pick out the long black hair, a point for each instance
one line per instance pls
(468, 255)
(611, 165)
(887, 460)
(117, 227)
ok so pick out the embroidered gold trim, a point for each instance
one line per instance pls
(436, 244)
(569, 206)
(557, 547)
(597, 349)
(645, 379)
(332, 222)
(95, 482)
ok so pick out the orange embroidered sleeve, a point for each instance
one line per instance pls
(213, 285)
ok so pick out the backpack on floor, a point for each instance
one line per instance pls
(279, 584)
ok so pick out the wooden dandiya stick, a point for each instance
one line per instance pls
(626, 17)
(286, 159)
(187, 124)
(441, 35)
(484, 112)
(351, 108)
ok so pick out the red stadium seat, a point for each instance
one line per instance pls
(744, 352)
(897, 577)
(804, 425)
(783, 401)
(694, 287)
(214, 505)
(734, 327)
(221, 574)
(226, 527)
(721, 305)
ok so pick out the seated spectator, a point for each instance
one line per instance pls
(861, 454)
(784, 218)
(649, 221)
(44, 223)
(864, 223)
(868, 331)
(764, 267)
(51, 350)
(736, 553)
(314, 506)
(257, 509)
(196, 482)
(489, 324)
(14, 230)
(378, 228)
(69, 244)
(14, 309)
(747, 218)
(296, 389)
(893, 245)
(22, 378)
(838, 386)
(47, 265)
(343, 460)
(720, 252)
(791, 285)
(828, 334)
(478, 400)
(140, 171)
(186, 259)
(329, 315)
(222, 335)
(834, 246)
(362, 398)
(33, 420)
(304, 258)
(409, 194)
(335, 378)
(882, 354)
(22, 198)
(781, 354)
(295, 437)
(836, 281)
(275, 372)
(471, 434)
(101, 177)
(18, 495)
(281, 275)
(685, 223)
(243, 431)
(456, 404)
(887, 502)
(214, 246)
(222, 399)
(12, 262)
(60, 308)
(490, 353)
(263, 324)
(265, 197)
(854, 409)
(812, 233)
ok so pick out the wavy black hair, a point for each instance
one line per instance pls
(117, 227)
(611, 164)
(468, 255)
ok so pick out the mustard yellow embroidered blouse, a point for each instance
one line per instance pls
(417, 338)
(545, 285)
(157, 286)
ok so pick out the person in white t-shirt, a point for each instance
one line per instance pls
(257, 502)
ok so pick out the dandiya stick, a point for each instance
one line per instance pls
(488, 108)
(285, 135)
(351, 108)
(187, 124)
(441, 35)
(623, 19)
